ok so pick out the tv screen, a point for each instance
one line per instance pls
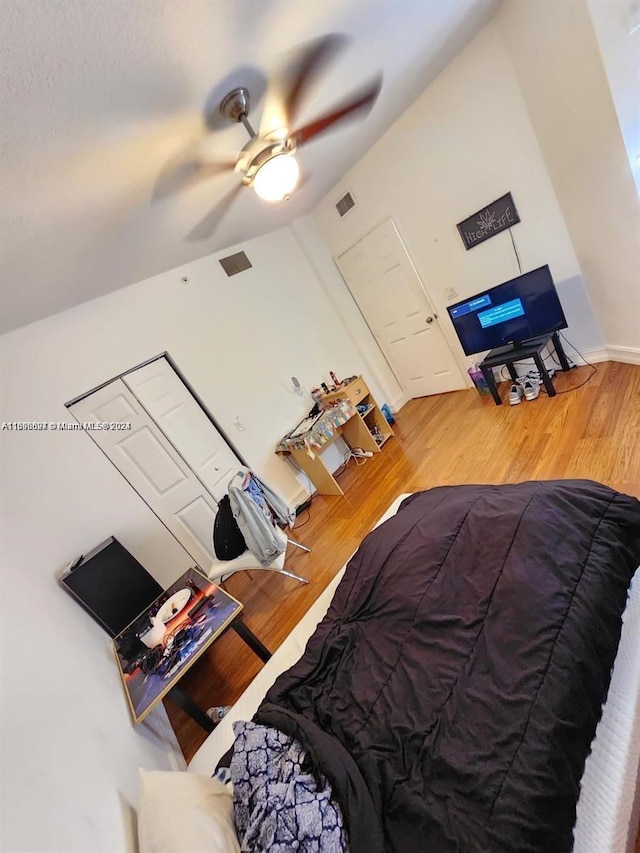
(112, 586)
(512, 312)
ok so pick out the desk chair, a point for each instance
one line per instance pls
(251, 521)
(221, 569)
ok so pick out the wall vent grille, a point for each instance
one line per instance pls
(346, 203)
(233, 264)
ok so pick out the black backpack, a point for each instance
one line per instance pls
(228, 541)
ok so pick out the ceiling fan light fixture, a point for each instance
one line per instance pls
(276, 179)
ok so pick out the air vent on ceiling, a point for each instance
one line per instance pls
(346, 203)
(233, 264)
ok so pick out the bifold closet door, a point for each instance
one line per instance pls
(181, 418)
(153, 467)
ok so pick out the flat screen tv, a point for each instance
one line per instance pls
(112, 586)
(513, 312)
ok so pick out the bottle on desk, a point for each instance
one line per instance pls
(334, 379)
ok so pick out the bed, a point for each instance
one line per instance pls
(452, 690)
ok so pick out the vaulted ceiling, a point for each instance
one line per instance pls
(99, 96)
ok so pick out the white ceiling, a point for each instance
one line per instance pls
(98, 95)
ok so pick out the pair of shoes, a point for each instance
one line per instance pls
(531, 389)
(516, 393)
(527, 388)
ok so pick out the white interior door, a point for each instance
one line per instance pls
(384, 283)
(173, 407)
(151, 464)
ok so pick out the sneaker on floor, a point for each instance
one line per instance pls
(531, 389)
(216, 713)
(515, 394)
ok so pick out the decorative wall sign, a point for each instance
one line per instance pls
(491, 220)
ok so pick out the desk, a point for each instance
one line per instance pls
(311, 462)
(342, 420)
(352, 414)
(508, 356)
(150, 675)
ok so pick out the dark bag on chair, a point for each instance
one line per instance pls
(228, 541)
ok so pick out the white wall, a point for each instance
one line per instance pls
(69, 751)
(466, 141)
(559, 67)
(617, 27)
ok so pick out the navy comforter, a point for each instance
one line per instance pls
(452, 691)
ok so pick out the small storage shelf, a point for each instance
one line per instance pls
(371, 429)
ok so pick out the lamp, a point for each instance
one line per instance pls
(277, 177)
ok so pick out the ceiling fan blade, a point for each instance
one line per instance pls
(205, 228)
(362, 101)
(288, 87)
(180, 174)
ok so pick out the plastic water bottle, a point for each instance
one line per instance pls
(478, 379)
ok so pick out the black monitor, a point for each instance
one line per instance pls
(513, 312)
(112, 586)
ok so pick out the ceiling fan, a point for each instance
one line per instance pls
(267, 162)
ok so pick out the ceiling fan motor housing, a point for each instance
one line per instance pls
(236, 104)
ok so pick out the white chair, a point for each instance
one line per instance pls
(221, 569)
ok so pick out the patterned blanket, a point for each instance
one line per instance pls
(280, 804)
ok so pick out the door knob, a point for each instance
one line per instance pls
(429, 319)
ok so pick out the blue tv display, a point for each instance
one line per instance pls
(513, 312)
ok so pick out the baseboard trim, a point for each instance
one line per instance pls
(627, 355)
(399, 402)
(159, 727)
(300, 496)
(593, 356)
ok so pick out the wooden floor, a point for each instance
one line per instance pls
(591, 432)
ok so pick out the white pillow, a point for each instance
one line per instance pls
(182, 812)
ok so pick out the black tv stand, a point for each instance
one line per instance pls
(519, 351)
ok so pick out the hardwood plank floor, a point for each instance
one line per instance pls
(591, 432)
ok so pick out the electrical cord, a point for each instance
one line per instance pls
(594, 369)
(575, 349)
(553, 357)
(359, 460)
(297, 526)
(516, 251)
(296, 467)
